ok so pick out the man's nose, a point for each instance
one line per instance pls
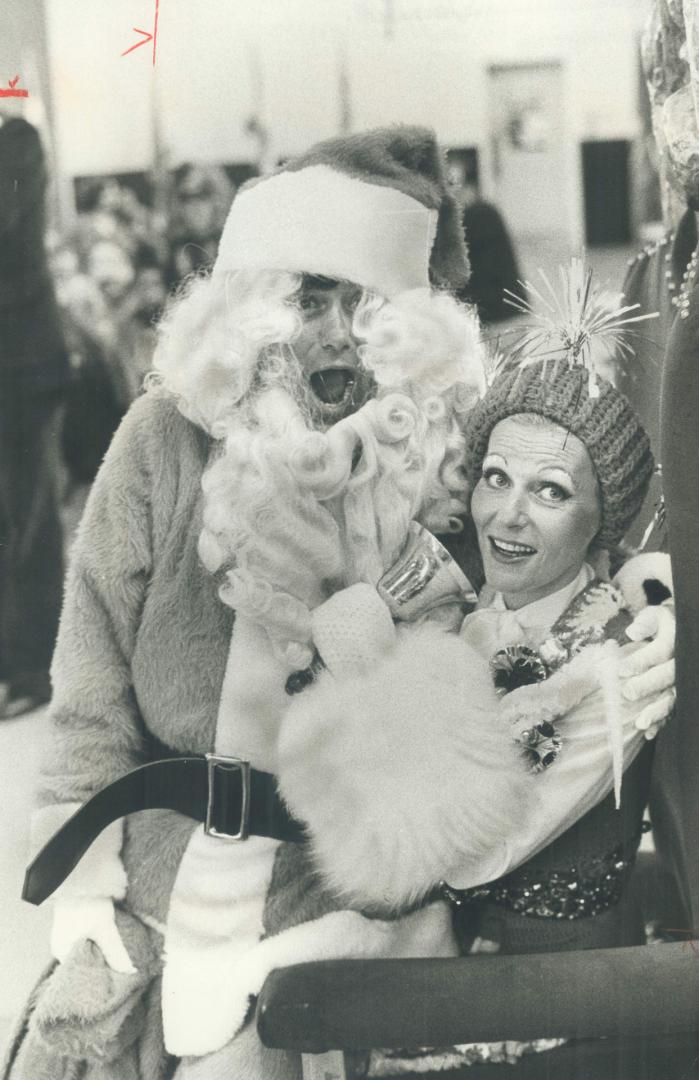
(336, 331)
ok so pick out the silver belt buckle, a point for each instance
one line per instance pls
(213, 762)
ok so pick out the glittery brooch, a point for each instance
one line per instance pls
(513, 668)
(516, 666)
(541, 745)
(595, 614)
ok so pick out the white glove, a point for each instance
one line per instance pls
(353, 630)
(89, 918)
(650, 672)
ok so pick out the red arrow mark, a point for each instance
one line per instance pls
(147, 36)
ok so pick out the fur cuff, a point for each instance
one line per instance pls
(645, 579)
(100, 872)
(215, 919)
(225, 979)
(403, 775)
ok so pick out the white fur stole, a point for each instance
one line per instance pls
(405, 774)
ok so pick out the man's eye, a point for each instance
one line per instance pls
(352, 302)
(308, 302)
(553, 493)
(495, 478)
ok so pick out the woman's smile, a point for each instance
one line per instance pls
(509, 550)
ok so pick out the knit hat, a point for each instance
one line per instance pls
(373, 209)
(606, 425)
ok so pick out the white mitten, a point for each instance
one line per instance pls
(78, 918)
(353, 630)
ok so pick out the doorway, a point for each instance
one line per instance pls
(528, 148)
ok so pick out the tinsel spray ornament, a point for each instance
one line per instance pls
(566, 325)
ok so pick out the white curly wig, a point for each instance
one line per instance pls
(291, 513)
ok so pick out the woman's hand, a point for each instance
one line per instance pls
(79, 918)
(649, 673)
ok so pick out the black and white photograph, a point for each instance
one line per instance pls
(349, 502)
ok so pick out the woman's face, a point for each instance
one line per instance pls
(536, 509)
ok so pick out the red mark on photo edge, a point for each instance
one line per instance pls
(691, 940)
(147, 36)
(13, 91)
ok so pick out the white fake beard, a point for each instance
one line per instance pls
(276, 536)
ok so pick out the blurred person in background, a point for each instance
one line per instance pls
(111, 210)
(110, 283)
(34, 376)
(110, 267)
(490, 248)
(139, 315)
(94, 406)
(203, 195)
(108, 315)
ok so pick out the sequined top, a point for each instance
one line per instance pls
(594, 885)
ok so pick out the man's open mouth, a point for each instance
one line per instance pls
(509, 550)
(334, 386)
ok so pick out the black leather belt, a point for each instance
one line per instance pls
(226, 794)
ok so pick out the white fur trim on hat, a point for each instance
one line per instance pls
(321, 221)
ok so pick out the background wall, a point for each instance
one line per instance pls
(303, 68)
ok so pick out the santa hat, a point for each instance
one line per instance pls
(373, 209)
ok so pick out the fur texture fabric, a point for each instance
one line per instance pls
(245, 1057)
(142, 1058)
(89, 1011)
(453, 787)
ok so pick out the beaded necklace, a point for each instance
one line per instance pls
(680, 299)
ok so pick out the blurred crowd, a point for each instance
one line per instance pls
(77, 332)
(112, 275)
